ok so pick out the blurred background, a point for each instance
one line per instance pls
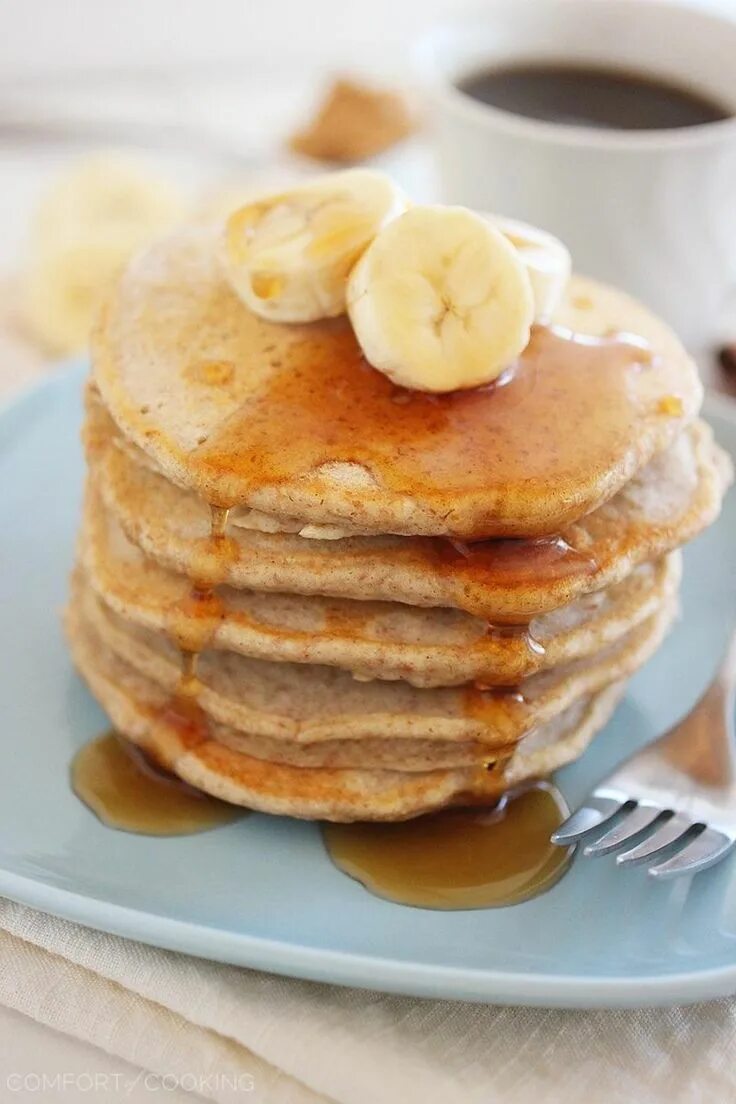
(118, 117)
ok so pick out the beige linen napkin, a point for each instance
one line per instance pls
(241, 1035)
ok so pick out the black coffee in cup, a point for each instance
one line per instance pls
(582, 95)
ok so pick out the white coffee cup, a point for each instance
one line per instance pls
(653, 211)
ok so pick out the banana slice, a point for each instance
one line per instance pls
(106, 193)
(63, 288)
(441, 300)
(546, 258)
(288, 256)
(94, 216)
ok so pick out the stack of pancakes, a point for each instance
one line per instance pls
(307, 591)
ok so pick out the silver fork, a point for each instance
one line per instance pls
(675, 800)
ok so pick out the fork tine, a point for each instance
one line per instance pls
(583, 820)
(705, 850)
(665, 835)
(635, 822)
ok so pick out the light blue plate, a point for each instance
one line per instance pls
(262, 892)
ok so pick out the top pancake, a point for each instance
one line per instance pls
(291, 420)
(666, 504)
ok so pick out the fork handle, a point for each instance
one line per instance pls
(703, 745)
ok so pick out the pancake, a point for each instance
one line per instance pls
(292, 421)
(316, 716)
(133, 704)
(426, 647)
(671, 500)
(308, 591)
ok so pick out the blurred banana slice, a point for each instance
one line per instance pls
(547, 261)
(93, 218)
(288, 255)
(441, 300)
(63, 289)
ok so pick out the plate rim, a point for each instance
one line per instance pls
(349, 968)
(371, 972)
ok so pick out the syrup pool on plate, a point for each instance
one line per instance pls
(128, 792)
(460, 858)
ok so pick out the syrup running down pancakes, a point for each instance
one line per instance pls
(304, 590)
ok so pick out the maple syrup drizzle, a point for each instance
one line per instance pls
(325, 404)
(211, 373)
(510, 563)
(522, 634)
(188, 680)
(193, 622)
(127, 791)
(459, 859)
(194, 619)
(218, 522)
(502, 709)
